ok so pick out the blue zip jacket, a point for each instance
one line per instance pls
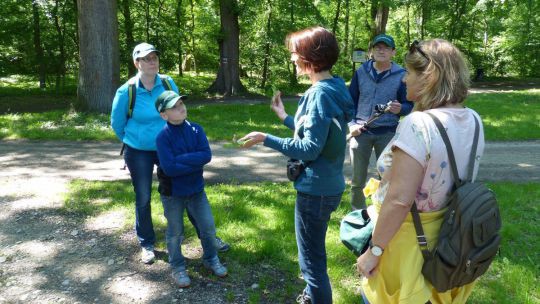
(325, 100)
(368, 89)
(141, 129)
(183, 150)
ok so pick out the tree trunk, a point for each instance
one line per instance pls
(346, 41)
(381, 19)
(408, 23)
(267, 47)
(61, 64)
(228, 77)
(336, 18)
(159, 17)
(99, 62)
(425, 16)
(130, 41)
(192, 38)
(292, 80)
(147, 20)
(179, 26)
(37, 45)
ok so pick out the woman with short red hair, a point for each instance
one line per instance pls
(320, 127)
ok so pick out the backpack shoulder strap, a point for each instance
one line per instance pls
(472, 158)
(132, 96)
(166, 84)
(450, 151)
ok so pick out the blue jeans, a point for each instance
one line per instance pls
(141, 167)
(360, 151)
(311, 216)
(198, 206)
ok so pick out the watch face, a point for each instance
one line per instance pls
(376, 250)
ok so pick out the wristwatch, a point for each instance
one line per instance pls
(375, 250)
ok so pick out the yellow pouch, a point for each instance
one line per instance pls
(371, 186)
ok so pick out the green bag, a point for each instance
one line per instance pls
(355, 231)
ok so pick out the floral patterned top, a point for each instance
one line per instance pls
(418, 136)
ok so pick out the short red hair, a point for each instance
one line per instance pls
(317, 48)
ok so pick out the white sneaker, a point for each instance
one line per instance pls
(147, 255)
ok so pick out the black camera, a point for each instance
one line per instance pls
(381, 108)
(294, 169)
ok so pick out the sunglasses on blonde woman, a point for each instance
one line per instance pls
(415, 47)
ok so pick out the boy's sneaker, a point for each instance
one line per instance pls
(221, 245)
(303, 298)
(181, 278)
(217, 268)
(147, 255)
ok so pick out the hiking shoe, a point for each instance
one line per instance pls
(217, 268)
(181, 278)
(303, 298)
(147, 255)
(221, 245)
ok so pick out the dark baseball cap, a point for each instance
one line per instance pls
(386, 39)
(167, 100)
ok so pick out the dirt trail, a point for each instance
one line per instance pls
(48, 256)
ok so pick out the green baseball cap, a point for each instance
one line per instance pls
(167, 100)
(386, 39)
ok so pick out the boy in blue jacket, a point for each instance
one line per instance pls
(183, 150)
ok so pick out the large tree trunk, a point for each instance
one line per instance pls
(130, 41)
(99, 62)
(37, 45)
(228, 77)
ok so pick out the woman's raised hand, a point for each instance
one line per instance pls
(277, 106)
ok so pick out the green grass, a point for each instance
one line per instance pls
(510, 115)
(506, 116)
(258, 219)
(56, 125)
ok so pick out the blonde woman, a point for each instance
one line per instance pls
(414, 167)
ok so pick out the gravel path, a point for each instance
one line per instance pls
(48, 256)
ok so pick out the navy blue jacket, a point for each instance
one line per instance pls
(183, 150)
(368, 89)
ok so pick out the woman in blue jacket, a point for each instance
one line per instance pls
(137, 128)
(320, 127)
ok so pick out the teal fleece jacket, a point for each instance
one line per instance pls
(323, 101)
(141, 129)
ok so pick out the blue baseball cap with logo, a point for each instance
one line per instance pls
(386, 39)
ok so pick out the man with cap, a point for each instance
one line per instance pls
(183, 150)
(136, 123)
(378, 81)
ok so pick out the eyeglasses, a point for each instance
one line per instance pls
(149, 59)
(382, 48)
(415, 47)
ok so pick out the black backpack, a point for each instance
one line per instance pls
(132, 97)
(469, 237)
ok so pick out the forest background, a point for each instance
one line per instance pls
(237, 46)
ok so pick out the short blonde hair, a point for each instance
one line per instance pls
(443, 71)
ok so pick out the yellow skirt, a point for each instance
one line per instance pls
(399, 278)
